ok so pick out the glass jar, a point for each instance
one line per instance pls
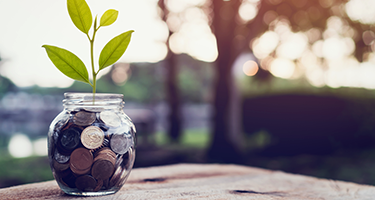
(91, 144)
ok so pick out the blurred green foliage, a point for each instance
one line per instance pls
(15, 171)
(145, 82)
(191, 138)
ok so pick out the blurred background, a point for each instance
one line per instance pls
(279, 84)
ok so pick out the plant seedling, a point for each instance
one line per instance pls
(72, 66)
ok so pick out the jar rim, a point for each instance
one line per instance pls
(109, 100)
(101, 95)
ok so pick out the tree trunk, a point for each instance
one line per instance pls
(173, 97)
(223, 147)
(174, 117)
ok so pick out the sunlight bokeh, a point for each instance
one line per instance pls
(265, 44)
(40, 147)
(192, 33)
(326, 60)
(250, 68)
(282, 67)
(248, 10)
(293, 46)
(20, 146)
(361, 10)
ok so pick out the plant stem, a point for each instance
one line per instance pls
(94, 88)
(92, 64)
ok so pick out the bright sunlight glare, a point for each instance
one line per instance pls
(196, 39)
(282, 67)
(180, 5)
(265, 44)
(293, 47)
(361, 10)
(248, 11)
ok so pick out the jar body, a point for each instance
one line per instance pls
(91, 144)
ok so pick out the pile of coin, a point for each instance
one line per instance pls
(92, 150)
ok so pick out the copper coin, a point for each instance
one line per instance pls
(69, 138)
(105, 154)
(86, 183)
(81, 160)
(92, 137)
(83, 118)
(120, 143)
(78, 171)
(116, 176)
(102, 169)
(106, 183)
(99, 185)
(110, 118)
(68, 179)
(105, 150)
(106, 157)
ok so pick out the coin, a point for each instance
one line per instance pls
(106, 154)
(67, 178)
(120, 143)
(92, 137)
(106, 184)
(60, 158)
(99, 185)
(101, 125)
(62, 120)
(78, 171)
(83, 118)
(81, 160)
(69, 139)
(60, 167)
(102, 169)
(86, 183)
(110, 118)
(106, 142)
(116, 176)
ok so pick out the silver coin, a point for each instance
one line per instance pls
(60, 158)
(120, 143)
(110, 118)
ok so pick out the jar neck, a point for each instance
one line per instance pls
(88, 101)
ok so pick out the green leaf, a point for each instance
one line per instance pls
(68, 63)
(80, 14)
(95, 21)
(109, 17)
(114, 49)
